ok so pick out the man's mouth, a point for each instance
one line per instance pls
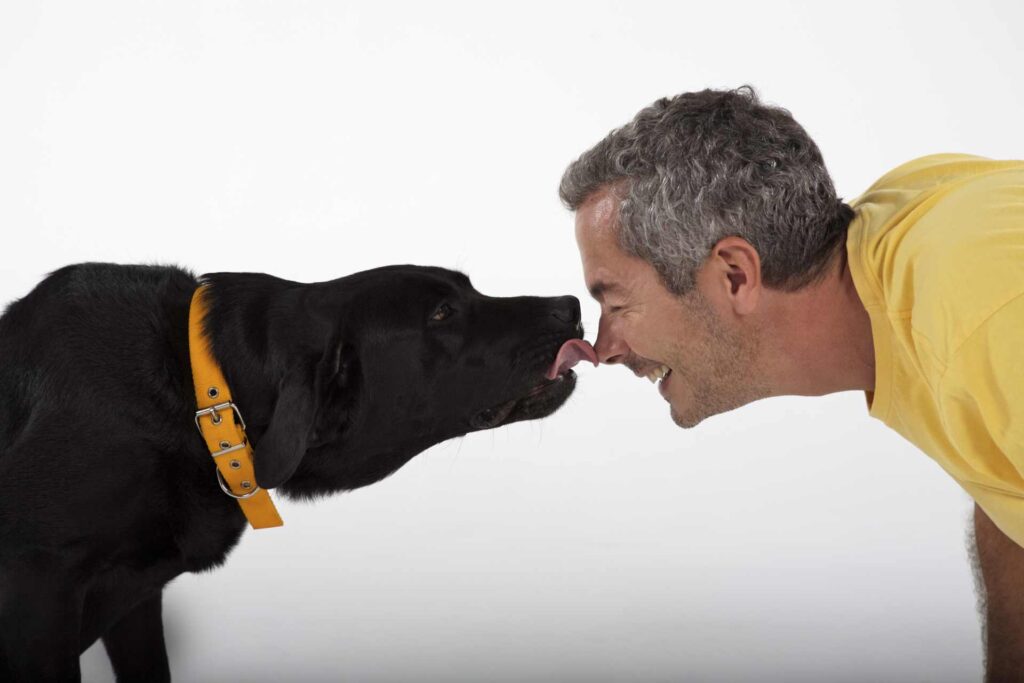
(658, 372)
(663, 381)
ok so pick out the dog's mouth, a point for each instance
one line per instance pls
(548, 395)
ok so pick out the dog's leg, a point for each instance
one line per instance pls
(40, 617)
(135, 644)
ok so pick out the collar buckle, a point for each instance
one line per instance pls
(214, 413)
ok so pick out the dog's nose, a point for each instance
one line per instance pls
(566, 309)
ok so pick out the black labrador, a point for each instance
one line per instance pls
(107, 491)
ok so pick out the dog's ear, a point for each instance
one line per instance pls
(282, 446)
(300, 397)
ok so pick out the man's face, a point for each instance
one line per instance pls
(708, 358)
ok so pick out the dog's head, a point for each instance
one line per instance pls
(394, 360)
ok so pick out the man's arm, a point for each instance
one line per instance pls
(999, 563)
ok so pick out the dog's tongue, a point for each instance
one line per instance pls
(571, 353)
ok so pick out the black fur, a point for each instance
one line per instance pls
(106, 489)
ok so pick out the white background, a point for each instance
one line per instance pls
(791, 540)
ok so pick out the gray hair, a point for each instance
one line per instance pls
(693, 169)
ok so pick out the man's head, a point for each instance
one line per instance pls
(686, 218)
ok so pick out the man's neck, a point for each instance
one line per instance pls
(820, 339)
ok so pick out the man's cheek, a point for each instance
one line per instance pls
(647, 343)
(637, 341)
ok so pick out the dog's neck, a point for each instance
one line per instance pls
(250, 316)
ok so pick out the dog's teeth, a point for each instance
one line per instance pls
(651, 376)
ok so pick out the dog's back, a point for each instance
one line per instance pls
(73, 349)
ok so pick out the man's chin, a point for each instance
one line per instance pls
(686, 420)
(700, 410)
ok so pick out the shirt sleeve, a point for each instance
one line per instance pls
(981, 399)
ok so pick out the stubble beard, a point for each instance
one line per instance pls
(722, 373)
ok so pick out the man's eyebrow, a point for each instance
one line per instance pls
(599, 288)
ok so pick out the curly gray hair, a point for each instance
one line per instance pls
(695, 168)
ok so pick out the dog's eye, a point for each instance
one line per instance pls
(442, 312)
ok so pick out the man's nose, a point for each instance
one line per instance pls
(610, 346)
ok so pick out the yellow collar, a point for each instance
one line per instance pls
(216, 420)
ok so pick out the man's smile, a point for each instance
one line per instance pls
(663, 384)
(654, 371)
(659, 372)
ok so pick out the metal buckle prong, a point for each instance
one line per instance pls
(213, 411)
(229, 449)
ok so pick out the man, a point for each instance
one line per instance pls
(727, 268)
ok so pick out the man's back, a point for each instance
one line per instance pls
(937, 254)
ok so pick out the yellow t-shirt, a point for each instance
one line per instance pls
(936, 250)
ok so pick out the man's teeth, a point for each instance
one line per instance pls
(658, 373)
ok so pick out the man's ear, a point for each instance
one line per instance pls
(733, 274)
(301, 395)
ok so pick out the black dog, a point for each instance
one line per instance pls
(107, 490)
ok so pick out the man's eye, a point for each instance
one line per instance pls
(442, 312)
(614, 309)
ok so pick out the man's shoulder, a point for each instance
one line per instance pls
(929, 173)
(925, 171)
(942, 237)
